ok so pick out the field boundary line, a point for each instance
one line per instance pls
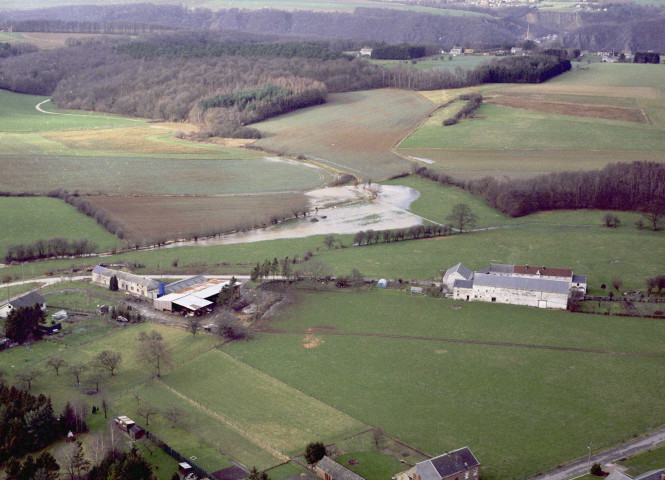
(291, 387)
(463, 341)
(39, 108)
(209, 411)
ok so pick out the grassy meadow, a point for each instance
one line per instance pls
(437, 396)
(27, 219)
(546, 133)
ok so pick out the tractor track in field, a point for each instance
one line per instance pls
(321, 331)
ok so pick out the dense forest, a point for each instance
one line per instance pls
(614, 27)
(618, 186)
(177, 77)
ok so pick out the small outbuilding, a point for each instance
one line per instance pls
(136, 432)
(383, 283)
(329, 469)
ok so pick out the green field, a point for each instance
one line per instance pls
(437, 396)
(18, 114)
(27, 219)
(515, 129)
(441, 62)
(522, 142)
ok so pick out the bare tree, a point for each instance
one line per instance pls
(57, 363)
(462, 217)
(617, 283)
(73, 462)
(377, 435)
(76, 369)
(97, 377)
(653, 213)
(154, 351)
(146, 411)
(105, 406)
(329, 241)
(174, 415)
(109, 360)
(194, 324)
(27, 376)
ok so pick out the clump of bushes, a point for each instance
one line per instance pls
(473, 101)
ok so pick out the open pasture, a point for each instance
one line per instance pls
(441, 62)
(352, 132)
(516, 129)
(158, 176)
(18, 114)
(281, 416)
(47, 40)
(28, 219)
(145, 218)
(495, 399)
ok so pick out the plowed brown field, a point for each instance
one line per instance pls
(152, 217)
(576, 109)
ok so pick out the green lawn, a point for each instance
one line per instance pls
(437, 318)
(650, 460)
(18, 114)
(28, 219)
(372, 465)
(439, 396)
(435, 203)
(614, 74)
(273, 412)
(511, 128)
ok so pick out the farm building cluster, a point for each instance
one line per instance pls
(195, 295)
(542, 287)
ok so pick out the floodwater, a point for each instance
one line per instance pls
(338, 210)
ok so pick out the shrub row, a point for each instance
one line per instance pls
(473, 101)
(48, 248)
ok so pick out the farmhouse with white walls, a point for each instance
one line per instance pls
(542, 287)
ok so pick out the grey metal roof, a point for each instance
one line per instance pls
(579, 278)
(149, 283)
(27, 300)
(651, 475)
(463, 283)
(184, 283)
(501, 268)
(522, 283)
(447, 464)
(617, 475)
(336, 470)
(460, 268)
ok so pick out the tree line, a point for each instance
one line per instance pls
(403, 51)
(638, 186)
(48, 248)
(526, 69)
(152, 49)
(646, 57)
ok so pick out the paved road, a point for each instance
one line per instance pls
(581, 467)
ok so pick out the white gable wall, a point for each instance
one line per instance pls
(531, 298)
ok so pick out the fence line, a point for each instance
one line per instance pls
(177, 455)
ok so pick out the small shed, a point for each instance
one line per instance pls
(383, 283)
(71, 437)
(59, 316)
(124, 423)
(417, 291)
(185, 468)
(136, 432)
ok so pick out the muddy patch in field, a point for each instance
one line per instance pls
(575, 109)
(311, 341)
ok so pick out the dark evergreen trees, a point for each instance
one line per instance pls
(23, 323)
(127, 466)
(27, 423)
(646, 57)
(314, 452)
(113, 284)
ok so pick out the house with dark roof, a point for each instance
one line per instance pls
(26, 300)
(542, 287)
(459, 464)
(329, 469)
